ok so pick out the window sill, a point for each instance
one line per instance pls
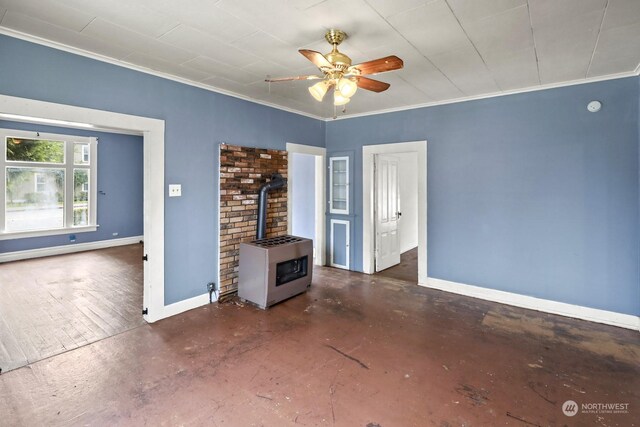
(45, 233)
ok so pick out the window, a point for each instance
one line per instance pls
(49, 184)
(339, 185)
(81, 153)
(41, 182)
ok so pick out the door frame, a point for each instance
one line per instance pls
(320, 154)
(152, 132)
(368, 214)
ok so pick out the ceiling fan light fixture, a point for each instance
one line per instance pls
(347, 87)
(339, 99)
(319, 90)
(340, 75)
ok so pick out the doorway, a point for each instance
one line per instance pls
(306, 195)
(396, 197)
(152, 131)
(371, 195)
(52, 303)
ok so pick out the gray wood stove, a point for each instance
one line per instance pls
(276, 268)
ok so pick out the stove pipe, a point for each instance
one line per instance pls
(277, 181)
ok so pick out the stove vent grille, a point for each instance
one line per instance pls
(276, 241)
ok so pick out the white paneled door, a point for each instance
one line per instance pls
(387, 199)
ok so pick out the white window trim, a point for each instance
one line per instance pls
(68, 166)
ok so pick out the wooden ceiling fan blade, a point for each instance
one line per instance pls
(372, 85)
(288, 79)
(380, 65)
(316, 57)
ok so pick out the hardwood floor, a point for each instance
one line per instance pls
(407, 270)
(55, 304)
(355, 350)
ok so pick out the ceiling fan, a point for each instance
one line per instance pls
(338, 73)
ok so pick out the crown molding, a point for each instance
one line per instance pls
(102, 58)
(634, 73)
(60, 46)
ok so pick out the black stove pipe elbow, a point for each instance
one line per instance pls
(277, 181)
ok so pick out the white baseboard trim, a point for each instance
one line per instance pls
(67, 249)
(554, 307)
(184, 305)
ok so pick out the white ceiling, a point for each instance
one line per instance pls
(452, 49)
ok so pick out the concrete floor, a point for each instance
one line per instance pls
(355, 350)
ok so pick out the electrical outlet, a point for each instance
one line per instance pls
(211, 288)
(175, 190)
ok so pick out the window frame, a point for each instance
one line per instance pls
(36, 182)
(68, 165)
(86, 153)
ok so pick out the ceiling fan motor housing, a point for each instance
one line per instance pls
(335, 37)
(338, 59)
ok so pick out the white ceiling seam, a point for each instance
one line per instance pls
(593, 54)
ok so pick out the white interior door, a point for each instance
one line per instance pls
(387, 199)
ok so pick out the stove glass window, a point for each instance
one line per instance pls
(287, 271)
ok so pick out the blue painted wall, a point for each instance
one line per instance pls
(119, 178)
(527, 193)
(196, 122)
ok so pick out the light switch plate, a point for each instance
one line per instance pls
(175, 190)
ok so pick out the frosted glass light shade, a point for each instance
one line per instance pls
(347, 87)
(319, 89)
(338, 99)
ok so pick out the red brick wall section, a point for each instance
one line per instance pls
(242, 171)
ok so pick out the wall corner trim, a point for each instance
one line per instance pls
(621, 320)
(68, 249)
